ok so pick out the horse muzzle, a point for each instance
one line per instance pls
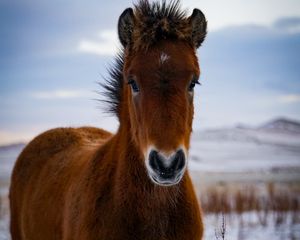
(166, 170)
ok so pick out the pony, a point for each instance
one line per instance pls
(86, 183)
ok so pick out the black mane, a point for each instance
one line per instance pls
(113, 86)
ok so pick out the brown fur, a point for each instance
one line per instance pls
(85, 183)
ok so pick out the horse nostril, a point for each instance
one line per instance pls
(154, 159)
(167, 167)
(179, 159)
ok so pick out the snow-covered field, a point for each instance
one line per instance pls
(248, 227)
(267, 153)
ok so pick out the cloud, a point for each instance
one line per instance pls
(289, 98)
(107, 45)
(60, 94)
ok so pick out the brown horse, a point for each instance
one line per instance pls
(85, 183)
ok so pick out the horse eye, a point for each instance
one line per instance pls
(134, 86)
(193, 84)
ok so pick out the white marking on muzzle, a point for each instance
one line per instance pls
(167, 156)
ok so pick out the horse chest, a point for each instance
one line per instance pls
(150, 224)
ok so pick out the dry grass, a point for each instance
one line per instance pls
(251, 205)
(221, 231)
(263, 199)
(275, 204)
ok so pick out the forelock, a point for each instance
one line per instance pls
(156, 21)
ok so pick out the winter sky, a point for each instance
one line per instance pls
(53, 53)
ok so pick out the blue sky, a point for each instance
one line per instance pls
(54, 52)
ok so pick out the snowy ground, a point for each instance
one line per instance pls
(240, 155)
(248, 227)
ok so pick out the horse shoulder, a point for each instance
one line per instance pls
(55, 141)
(44, 171)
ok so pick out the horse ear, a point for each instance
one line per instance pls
(199, 25)
(125, 26)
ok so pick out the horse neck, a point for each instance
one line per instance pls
(132, 183)
(122, 185)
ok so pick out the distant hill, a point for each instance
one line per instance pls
(272, 146)
(282, 124)
(14, 146)
(279, 131)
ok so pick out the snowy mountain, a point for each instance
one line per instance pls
(279, 131)
(274, 146)
(12, 147)
(282, 125)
